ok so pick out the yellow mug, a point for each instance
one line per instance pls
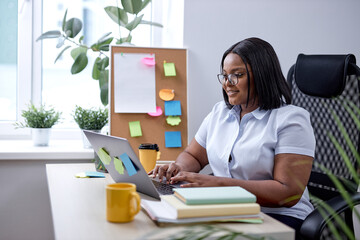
(122, 202)
(148, 154)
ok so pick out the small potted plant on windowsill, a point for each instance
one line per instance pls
(92, 120)
(40, 120)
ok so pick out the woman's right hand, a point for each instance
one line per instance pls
(166, 170)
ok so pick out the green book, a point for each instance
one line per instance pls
(214, 195)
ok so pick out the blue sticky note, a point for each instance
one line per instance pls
(172, 108)
(94, 174)
(173, 139)
(128, 164)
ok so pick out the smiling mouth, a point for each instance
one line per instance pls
(230, 93)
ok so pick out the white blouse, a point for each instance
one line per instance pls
(253, 143)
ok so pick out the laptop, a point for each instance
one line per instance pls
(115, 147)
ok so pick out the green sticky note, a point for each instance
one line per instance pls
(173, 120)
(169, 69)
(135, 129)
(118, 165)
(104, 156)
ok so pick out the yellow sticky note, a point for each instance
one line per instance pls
(135, 129)
(169, 69)
(118, 165)
(104, 156)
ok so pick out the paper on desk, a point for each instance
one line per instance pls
(134, 83)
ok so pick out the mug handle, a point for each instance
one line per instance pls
(133, 211)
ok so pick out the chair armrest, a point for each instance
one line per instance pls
(314, 224)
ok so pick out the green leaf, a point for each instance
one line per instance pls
(118, 15)
(81, 38)
(77, 51)
(104, 47)
(64, 21)
(151, 23)
(104, 87)
(74, 25)
(49, 34)
(132, 6)
(103, 63)
(145, 3)
(79, 64)
(104, 37)
(62, 51)
(124, 40)
(96, 71)
(134, 23)
(60, 43)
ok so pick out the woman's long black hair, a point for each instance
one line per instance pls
(271, 87)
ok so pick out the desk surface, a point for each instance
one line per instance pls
(78, 211)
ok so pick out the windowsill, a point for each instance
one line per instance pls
(57, 150)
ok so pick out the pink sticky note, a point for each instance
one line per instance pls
(150, 61)
(157, 113)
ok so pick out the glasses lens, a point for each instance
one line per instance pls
(221, 78)
(233, 79)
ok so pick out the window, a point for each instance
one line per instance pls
(43, 81)
(8, 59)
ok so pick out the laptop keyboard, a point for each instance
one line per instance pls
(163, 188)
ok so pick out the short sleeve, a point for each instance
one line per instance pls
(201, 134)
(295, 133)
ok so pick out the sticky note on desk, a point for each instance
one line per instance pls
(169, 69)
(130, 168)
(172, 139)
(172, 108)
(135, 129)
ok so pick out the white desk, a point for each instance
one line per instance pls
(78, 211)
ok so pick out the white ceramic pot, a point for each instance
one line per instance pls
(40, 136)
(86, 142)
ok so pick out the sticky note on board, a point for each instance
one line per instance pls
(173, 120)
(135, 129)
(149, 61)
(118, 165)
(167, 94)
(129, 166)
(173, 139)
(172, 108)
(104, 156)
(169, 69)
(157, 113)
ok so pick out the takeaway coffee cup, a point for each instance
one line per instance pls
(122, 202)
(148, 154)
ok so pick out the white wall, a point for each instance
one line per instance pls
(290, 26)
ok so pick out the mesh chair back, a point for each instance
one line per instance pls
(323, 122)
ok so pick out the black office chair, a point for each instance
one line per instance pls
(320, 84)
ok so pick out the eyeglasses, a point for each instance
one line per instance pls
(232, 78)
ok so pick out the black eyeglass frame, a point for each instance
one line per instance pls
(233, 78)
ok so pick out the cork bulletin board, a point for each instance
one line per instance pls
(154, 129)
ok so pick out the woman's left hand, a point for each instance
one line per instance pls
(195, 179)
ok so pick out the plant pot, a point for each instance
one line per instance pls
(86, 142)
(40, 136)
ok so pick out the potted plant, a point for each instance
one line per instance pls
(90, 119)
(40, 120)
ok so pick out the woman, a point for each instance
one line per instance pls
(254, 138)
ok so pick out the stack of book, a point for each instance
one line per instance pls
(204, 204)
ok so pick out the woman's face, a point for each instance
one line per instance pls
(233, 64)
